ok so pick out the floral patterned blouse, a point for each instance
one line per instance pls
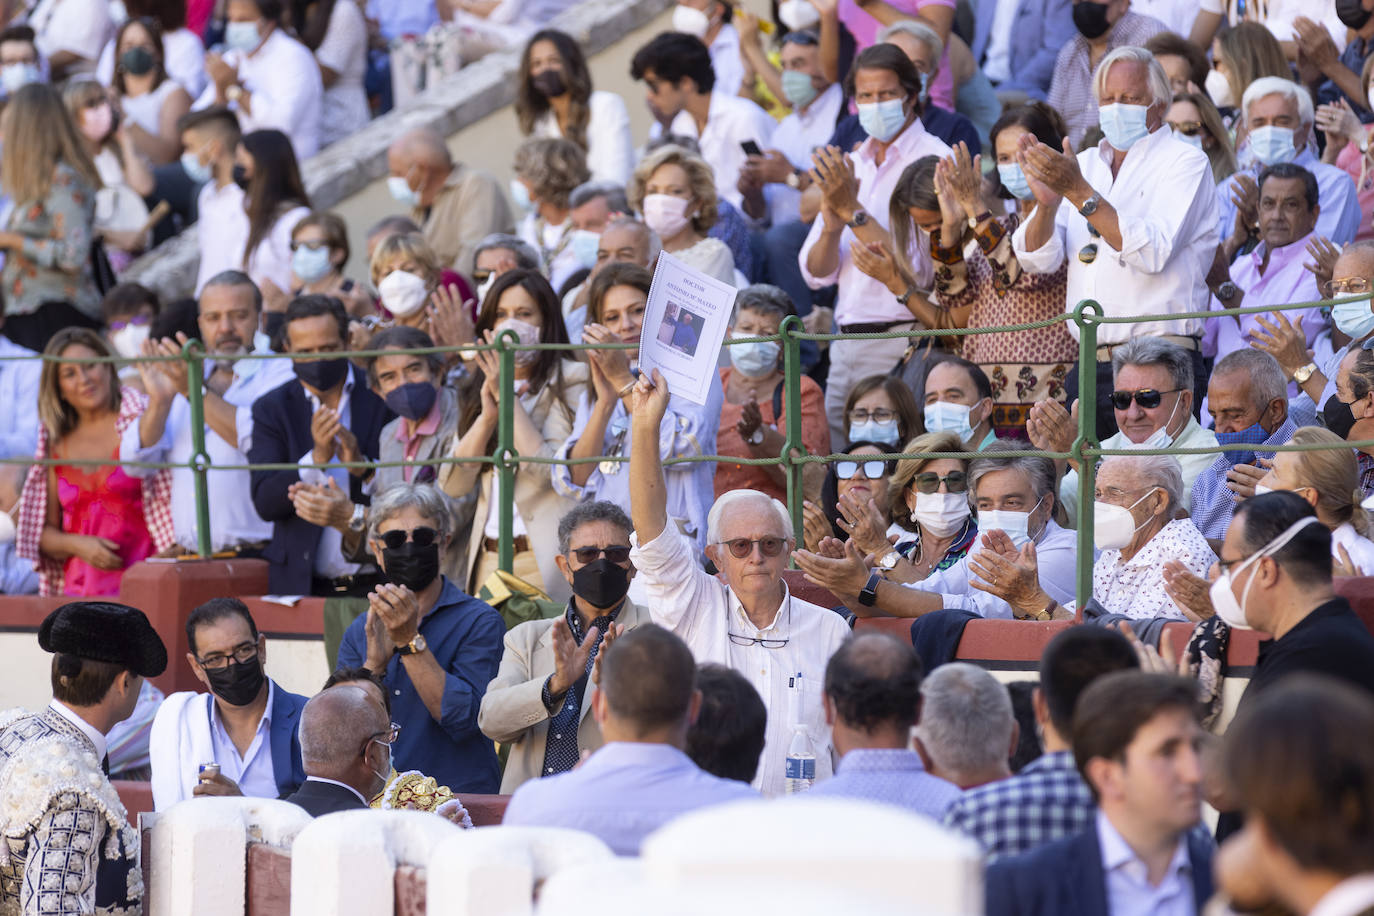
(54, 263)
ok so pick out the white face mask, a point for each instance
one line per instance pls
(1231, 611)
(798, 15)
(947, 417)
(1113, 526)
(1219, 89)
(941, 514)
(691, 20)
(128, 340)
(665, 213)
(384, 774)
(1160, 438)
(403, 293)
(1016, 525)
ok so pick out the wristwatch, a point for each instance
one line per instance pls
(1227, 291)
(890, 559)
(793, 180)
(869, 596)
(973, 221)
(233, 93)
(1090, 205)
(756, 437)
(905, 297)
(860, 218)
(414, 647)
(359, 519)
(1304, 373)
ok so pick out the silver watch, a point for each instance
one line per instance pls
(756, 437)
(359, 520)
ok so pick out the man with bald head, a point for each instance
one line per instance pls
(455, 205)
(744, 617)
(346, 740)
(625, 239)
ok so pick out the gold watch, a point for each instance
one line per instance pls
(1303, 374)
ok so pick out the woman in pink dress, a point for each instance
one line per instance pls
(83, 525)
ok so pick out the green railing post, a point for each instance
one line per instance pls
(1084, 316)
(791, 369)
(505, 449)
(200, 459)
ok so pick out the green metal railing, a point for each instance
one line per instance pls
(1087, 317)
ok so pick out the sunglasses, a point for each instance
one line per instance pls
(929, 482)
(873, 470)
(1089, 252)
(1187, 128)
(616, 553)
(481, 276)
(1147, 398)
(743, 547)
(420, 537)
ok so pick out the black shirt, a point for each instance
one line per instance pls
(1330, 640)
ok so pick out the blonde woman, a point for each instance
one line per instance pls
(84, 525)
(407, 275)
(676, 191)
(547, 170)
(47, 279)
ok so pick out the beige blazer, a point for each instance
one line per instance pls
(513, 710)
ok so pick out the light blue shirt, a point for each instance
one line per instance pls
(253, 771)
(397, 18)
(1339, 219)
(891, 777)
(19, 394)
(1129, 891)
(624, 792)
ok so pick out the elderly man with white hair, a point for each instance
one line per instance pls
(1278, 116)
(1135, 217)
(967, 730)
(744, 617)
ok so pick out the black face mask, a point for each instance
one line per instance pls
(137, 61)
(413, 400)
(1339, 419)
(411, 565)
(237, 683)
(321, 374)
(549, 83)
(1352, 14)
(601, 583)
(1090, 18)
(240, 175)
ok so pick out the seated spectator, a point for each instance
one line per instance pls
(335, 723)
(596, 206)
(434, 645)
(1248, 400)
(754, 418)
(927, 499)
(967, 731)
(881, 409)
(336, 33)
(1142, 846)
(229, 311)
(1194, 119)
(1102, 29)
(1184, 63)
(497, 253)
(854, 494)
(926, 50)
(959, 401)
(591, 207)
(19, 386)
(455, 204)
(1016, 44)
(411, 385)
(1240, 56)
(17, 575)
(325, 415)
(245, 723)
(538, 703)
(1347, 145)
(555, 99)
(709, 21)
(416, 293)
(83, 526)
(120, 213)
(1048, 800)
(266, 77)
(1127, 240)
(727, 738)
(640, 779)
(873, 698)
(679, 76)
(20, 62)
(1306, 843)
(1012, 495)
(604, 422)
(546, 172)
(1276, 114)
(47, 280)
(548, 389)
(887, 89)
(152, 101)
(210, 139)
(319, 254)
(676, 193)
(182, 52)
(754, 624)
(70, 34)
(1128, 573)
(129, 310)
(275, 200)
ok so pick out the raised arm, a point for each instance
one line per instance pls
(648, 489)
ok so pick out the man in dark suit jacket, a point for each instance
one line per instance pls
(346, 744)
(1135, 740)
(327, 414)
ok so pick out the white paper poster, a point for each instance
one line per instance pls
(685, 320)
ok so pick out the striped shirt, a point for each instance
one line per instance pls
(1071, 87)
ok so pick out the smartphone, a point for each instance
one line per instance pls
(751, 148)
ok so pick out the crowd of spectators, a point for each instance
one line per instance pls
(870, 167)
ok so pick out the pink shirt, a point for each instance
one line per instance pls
(1352, 161)
(427, 427)
(865, 30)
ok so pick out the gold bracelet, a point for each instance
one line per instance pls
(629, 386)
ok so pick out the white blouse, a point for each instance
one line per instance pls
(610, 148)
(1135, 587)
(710, 256)
(1360, 548)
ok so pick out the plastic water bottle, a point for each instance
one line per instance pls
(800, 770)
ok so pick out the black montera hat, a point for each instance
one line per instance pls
(105, 631)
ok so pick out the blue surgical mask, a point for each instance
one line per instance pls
(883, 120)
(1014, 180)
(1353, 319)
(1123, 125)
(1254, 434)
(195, 170)
(16, 76)
(797, 88)
(1272, 145)
(583, 244)
(755, 360)
(521, 196)
(1195, 140)
(873, 431)
(242, 36)
(946, 417)
(402, 192)
(310, 264)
